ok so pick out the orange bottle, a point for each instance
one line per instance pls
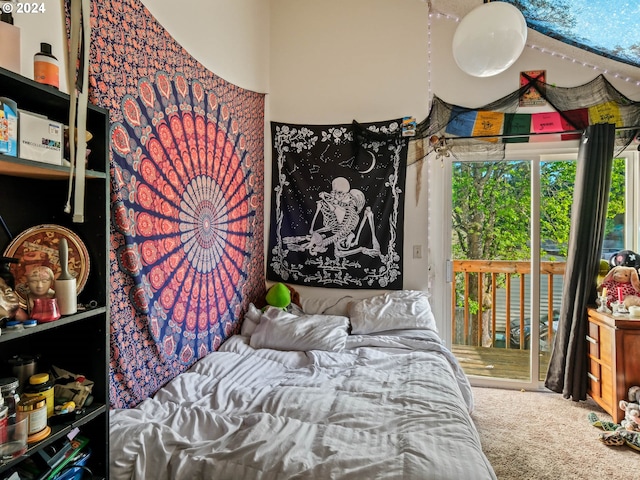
(45, 67)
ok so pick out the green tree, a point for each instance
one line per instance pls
(491, 210)
(557, 180)
(491, 215)
(490, 220)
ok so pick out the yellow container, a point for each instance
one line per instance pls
(41, 386)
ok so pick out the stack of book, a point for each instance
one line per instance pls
(62, 461)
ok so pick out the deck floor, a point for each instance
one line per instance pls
(505, 363)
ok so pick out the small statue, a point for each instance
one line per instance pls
(40, 282)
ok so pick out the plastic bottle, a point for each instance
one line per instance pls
(41, 386)
(35, 410)
(65, 284)
(45, 67)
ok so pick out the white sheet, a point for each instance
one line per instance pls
(388, 406)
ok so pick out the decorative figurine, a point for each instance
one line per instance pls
(9, 302)
(40, 282)
(602, 302)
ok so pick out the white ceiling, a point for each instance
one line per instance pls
(459, 8)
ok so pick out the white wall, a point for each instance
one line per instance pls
(334, 61)
(230, 38)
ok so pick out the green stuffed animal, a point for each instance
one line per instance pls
(602, 271)
(278, 296)
(628, 431)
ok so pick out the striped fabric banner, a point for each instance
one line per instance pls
(482, 123)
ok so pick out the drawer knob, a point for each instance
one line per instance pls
(593, 377)
(591, 340)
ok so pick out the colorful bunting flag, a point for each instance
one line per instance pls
(547, 122)
(461, 122)
(517, 124)
(608, 112)
(464, 122)
(488, 123)
(574, 120)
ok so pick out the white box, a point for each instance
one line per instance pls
(9, 46)
(40, 138)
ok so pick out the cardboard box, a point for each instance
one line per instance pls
(40, 138)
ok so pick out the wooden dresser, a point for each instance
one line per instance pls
(614, 359)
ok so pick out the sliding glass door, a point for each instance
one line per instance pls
(491, 249)
(509, 235)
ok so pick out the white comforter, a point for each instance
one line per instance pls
(388, 406)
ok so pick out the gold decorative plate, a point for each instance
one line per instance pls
(40, 246)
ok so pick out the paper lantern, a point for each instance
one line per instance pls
(489, 39)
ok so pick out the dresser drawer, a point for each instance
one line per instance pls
(600, 343)
(606, 343)
(601, 386)
(593, 341)
(595, 383)
(608, 388)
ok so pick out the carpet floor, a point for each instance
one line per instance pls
(541, 435)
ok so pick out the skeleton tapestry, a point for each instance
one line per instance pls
(337, 210)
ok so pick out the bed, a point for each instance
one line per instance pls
(307, 395)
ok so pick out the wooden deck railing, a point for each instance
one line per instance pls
(480, 312)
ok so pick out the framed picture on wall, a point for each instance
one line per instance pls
(531, 97)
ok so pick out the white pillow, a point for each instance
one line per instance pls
(327, 305)
(250, 321)
(402, 309)
(281, 330)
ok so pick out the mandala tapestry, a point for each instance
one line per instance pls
(187, 200)
(337, 210)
